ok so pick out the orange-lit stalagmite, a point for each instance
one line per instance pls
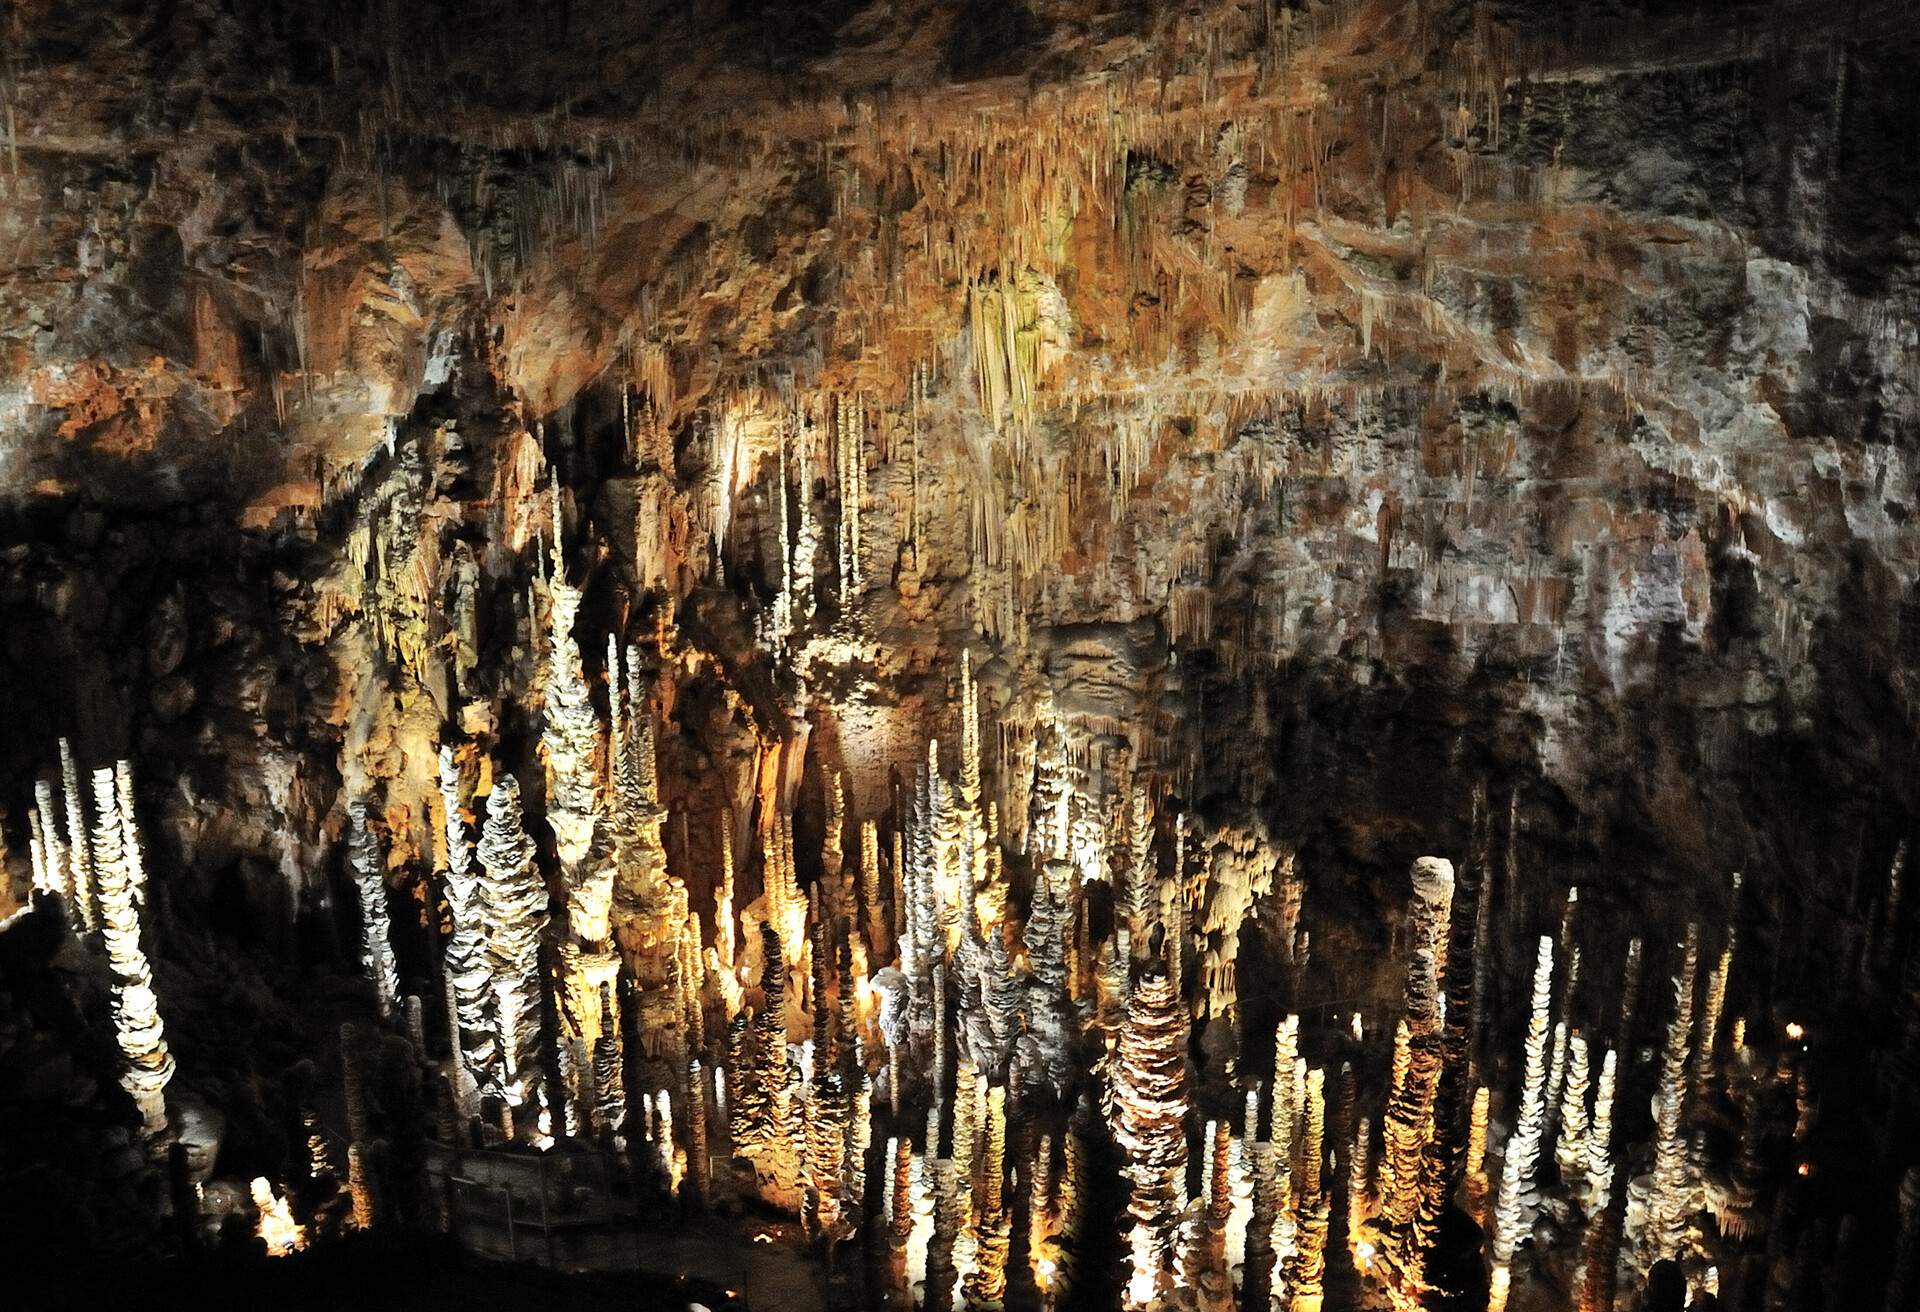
(1149, 1106)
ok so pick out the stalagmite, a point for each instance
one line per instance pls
(359, 1188)
(1664, 1227)
(1306, 1270)
(369, 878)
(1150, 1104)
(57, 857)
(1598, 1168)
(132, 848)
(469, 971)
(79, 852)
(571, 729)
(1711, 1007)
(1476, 1166)
(276, 1227)
(1600, 1247)
(1570, 1150)
(1408, 1126)
(1523, 1145)
(136, 1011)
(1906, 1248)
(1360, 1183)
(986, 1283)
(515, 902)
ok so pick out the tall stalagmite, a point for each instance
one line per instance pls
(136, 1011)
(515, 901)
(1150, 1106)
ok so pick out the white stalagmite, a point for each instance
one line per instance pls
(45, 880)
(469, 972)
(369, 867)
(515, 899)
(850, 462)
(1570, 1151)
(1523, 1146)
(136, 1011)
(572, 729)
(1599, 1167)
(79, 852)
(132, 849)
(58, 863)
(276, 1227)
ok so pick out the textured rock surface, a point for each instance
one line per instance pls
(1348, 403)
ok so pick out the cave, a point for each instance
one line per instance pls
(968, 655)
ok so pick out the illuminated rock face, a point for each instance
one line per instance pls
(1076, 498)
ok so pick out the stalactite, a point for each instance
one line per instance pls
(1150, 1105)
(369, 867)
(515, 902)
(136, 1011)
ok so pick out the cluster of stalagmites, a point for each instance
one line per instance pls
(987, 985)
(898, 1054)
(95, 862)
